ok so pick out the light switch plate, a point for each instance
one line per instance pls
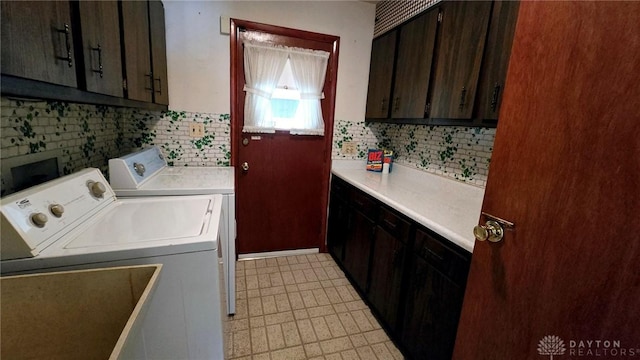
(196, 130)
(225, 25)
(348, 148)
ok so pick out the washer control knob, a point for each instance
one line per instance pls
(39, 219)
(97, 188)
(57, 210)
(139, 168)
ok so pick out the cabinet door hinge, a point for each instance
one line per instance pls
(440, 17)
(124, 84)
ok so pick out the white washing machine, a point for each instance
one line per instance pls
(146, 173)
(76, 222)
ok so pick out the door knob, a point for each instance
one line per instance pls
(492, 231)
(245, 166)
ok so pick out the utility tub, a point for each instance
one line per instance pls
(84, 314)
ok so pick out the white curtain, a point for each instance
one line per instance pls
(309, 69)
(263, 66)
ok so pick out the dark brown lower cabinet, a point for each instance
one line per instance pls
(357, 249)
(338, 225)
(412, 279)
(433, 303)
(386, 276)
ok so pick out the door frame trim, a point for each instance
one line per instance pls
(330, 97)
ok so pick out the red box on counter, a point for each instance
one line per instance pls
(374, 160)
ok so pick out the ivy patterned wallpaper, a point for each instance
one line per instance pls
(170, 131)
(89, 135)
(85, 135)
(461, 153)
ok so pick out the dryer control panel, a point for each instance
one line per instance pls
(36, 217)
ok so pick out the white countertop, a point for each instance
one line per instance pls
(449, 208)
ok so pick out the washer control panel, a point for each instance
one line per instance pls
(130, 171)
(34, 218)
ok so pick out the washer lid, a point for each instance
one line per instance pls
(192, 178)
(147, 220)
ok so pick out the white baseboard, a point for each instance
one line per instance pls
(271, 254)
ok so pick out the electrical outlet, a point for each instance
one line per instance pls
(196, 130)
(348, 148)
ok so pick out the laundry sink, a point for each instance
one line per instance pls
(83, 314)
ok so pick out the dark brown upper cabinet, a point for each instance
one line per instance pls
(73, 51)
(100, 29)
(37, 41)
(158, 52)
(450, 65)
(496, 60)
(383, 51)
(413, 69)
(145, 51)
(457, 69)
(137, 50)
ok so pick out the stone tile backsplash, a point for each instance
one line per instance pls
(89, 135)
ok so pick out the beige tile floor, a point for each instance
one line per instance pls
(302, 307)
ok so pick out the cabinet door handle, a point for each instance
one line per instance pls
(100, 68)
(421, 280)
(391, 225)
(159, 91)
(463, 94)
(383, 104)
(432, 254)
(68, 44)
(396, 104)
(397, 255)
(494, 97)
(150, 87)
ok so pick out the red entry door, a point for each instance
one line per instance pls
(282, 180)
(565, 282)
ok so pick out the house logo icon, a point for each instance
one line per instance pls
(551, 345)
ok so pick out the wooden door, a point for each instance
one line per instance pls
(413, 67)
(137, 53)
(380, 75)
(496, 59)
(565, 170)
(158, 52)
(37, 41)
(281, 199)
(100, 28)
(463, 34)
